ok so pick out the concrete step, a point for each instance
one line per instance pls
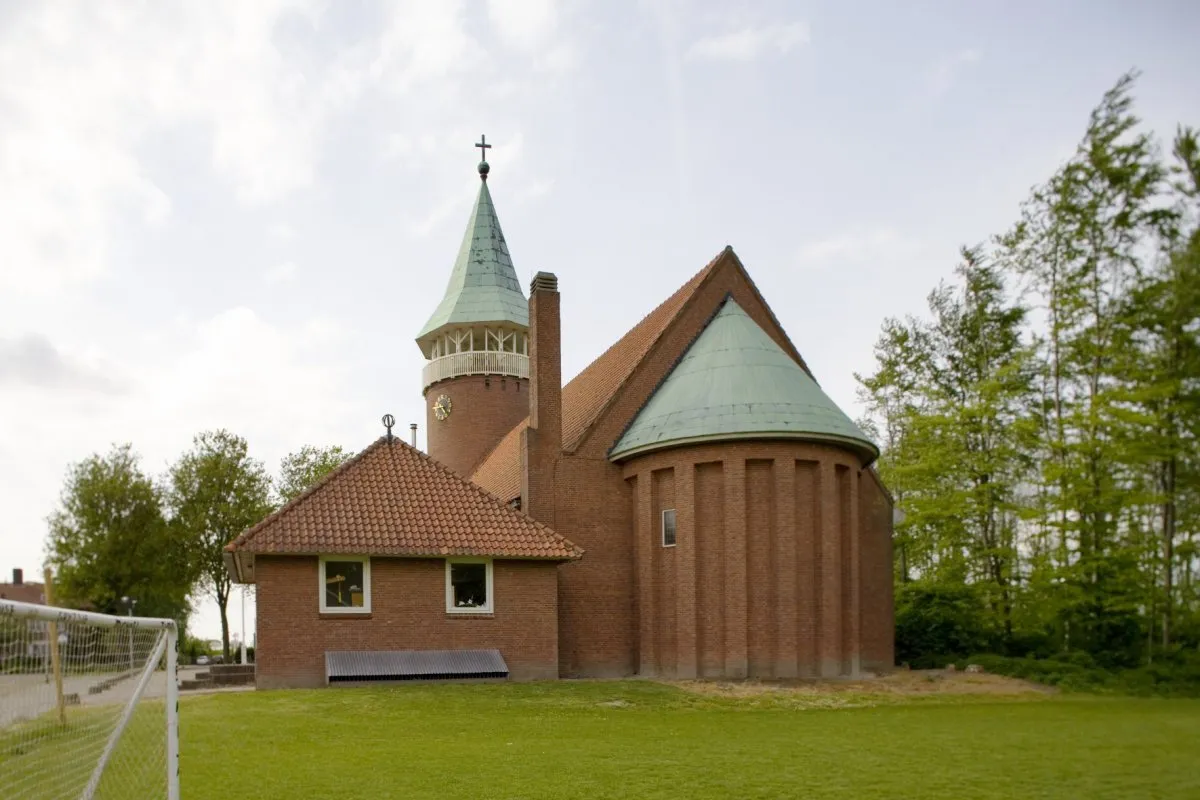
(232, 669)
(244, 679)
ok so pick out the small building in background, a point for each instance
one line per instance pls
(21, 591)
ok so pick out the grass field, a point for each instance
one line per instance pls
(647, 740)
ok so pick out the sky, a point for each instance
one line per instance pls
(239, 213)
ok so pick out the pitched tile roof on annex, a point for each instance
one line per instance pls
(392, 499)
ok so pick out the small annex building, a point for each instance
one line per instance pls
(692, 504)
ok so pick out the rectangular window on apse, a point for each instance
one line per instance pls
(668, 527)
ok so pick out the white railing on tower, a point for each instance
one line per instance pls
(476, 362)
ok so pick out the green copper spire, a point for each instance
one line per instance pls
(483, 285)
(735, 382)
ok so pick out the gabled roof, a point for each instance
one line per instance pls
(392, 499)
(483, 285)
(735, 381)
(589, 392)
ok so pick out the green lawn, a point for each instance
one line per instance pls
(645, 740)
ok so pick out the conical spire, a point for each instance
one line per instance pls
(483, 285)
(735, 382)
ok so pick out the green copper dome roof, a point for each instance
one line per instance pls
(483, 284)
(735, 382)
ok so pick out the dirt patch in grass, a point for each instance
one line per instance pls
(896, 686)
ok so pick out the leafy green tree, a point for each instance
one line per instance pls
(108, 540)
(216, 491)
(890, 395)
(1046, 452)
(305, 467)
(959, 451)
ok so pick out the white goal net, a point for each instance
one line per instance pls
(88, 705)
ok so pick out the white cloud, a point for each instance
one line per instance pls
(943, 74)
(33, 362)
(281, 273)
(523, 23)
(281, 232)
(748, 43)
(84, 87)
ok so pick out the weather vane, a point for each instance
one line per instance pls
(483, 148)
(388, 422)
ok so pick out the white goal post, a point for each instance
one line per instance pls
(89, 705)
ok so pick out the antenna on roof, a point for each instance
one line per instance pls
(388, 422)
(412, 426)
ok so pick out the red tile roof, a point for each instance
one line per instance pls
(589, 392)
(392, 499)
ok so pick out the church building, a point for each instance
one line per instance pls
(690, 505)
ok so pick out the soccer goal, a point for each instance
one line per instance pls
(88, 705)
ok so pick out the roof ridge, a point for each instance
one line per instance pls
(669, 370)
(692, 285)
(245, 536)
(795, 351)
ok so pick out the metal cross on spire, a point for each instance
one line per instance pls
(483, 148)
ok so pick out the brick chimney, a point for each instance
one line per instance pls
(542, 440)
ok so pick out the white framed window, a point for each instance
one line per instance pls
(469, 586)
(345, 584)
(668, 527)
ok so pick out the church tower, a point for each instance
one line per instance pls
(476, 379)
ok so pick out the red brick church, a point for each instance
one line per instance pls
(692, 504)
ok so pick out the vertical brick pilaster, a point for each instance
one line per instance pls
(644, 552)
(806, 495)
(685, 572)
(854, 534)
(829, 644)
(736, 591)
(760, 568)
(783, 570)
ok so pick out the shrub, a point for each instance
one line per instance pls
(936, 623)
(1175, 676)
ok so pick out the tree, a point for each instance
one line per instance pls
(1160, 342)
(1049, 461)
(215, 492)
(108, 540)
(300, 470)
(955, 394)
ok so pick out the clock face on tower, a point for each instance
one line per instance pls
(441, 407)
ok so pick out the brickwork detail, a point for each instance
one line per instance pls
(614, 623)
(764, 580)
(408, 611)
(483, 409)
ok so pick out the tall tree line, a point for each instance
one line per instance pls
(1040, 424)
(120, 537)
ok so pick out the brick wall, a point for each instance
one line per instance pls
(878, 612)
(483, 409)
(408, 611)
(605, 629)
(771, 570)
(773, 586)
